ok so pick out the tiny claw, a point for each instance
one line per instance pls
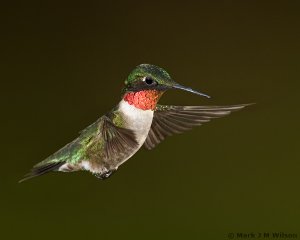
(105, 175)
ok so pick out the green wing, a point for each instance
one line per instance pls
(101, 140)
(169, 120)
(111, 142)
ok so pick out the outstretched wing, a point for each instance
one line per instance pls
(168, 120)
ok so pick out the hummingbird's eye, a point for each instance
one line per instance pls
(149, 81)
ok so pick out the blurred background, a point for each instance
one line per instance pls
(63, 66)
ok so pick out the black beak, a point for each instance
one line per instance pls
(177, 86)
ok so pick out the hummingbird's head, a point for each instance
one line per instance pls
(149, 81)
(150, 77)
(146, 76)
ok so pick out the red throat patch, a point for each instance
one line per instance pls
(145, 100)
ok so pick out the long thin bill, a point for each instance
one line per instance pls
(178, 86)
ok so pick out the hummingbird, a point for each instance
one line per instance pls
(138, 120)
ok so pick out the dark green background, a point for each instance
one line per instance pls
(63, 66)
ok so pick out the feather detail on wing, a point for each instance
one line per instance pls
(117, 140)
(168, 120)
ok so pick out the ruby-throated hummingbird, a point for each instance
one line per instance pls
(136, 121)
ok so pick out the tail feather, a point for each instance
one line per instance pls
(41, 169)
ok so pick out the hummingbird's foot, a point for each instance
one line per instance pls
(106, 174)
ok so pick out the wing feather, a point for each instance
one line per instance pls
(116, 139)
(169, 120)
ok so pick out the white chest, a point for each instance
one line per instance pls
(137, 120)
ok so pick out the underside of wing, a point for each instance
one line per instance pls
(168, 120)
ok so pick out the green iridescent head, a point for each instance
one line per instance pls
(147, 76)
